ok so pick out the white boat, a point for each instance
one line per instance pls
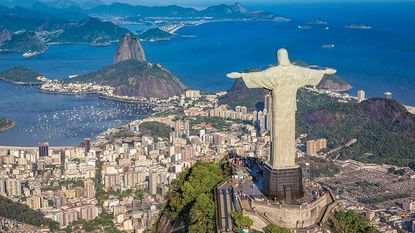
(31, 54)
(328, 46)
(73, 76)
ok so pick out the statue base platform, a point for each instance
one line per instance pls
(283, 184)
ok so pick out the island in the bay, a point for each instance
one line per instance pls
(6, 124)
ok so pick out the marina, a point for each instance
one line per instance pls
(61, 119)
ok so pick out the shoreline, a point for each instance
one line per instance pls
(125, 101)
(100, 96)
(82, 43)
(21, 83)
(67, 93)
(174, 30)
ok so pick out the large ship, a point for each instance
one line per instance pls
(358, 26)
(304, 27)
(317, 22)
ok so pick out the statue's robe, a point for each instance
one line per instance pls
(283, 81)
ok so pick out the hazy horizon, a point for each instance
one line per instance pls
(210, 2)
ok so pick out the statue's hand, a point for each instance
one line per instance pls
(234, 75)
(330, 71)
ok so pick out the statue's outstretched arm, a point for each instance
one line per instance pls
(234, 75)
(314, 77)
(251, 79)
(329, 71)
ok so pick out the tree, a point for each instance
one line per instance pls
(190, 199)
(351, 222)
(155, 129)
(271, 228)
(22, 213)
(202, 215)
(241, 221)
(139, 194)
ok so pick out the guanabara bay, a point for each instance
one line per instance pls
(210, 116)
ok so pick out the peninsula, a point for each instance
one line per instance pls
(130, 78)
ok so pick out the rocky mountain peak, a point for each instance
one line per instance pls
(239, 8)
(129, 47)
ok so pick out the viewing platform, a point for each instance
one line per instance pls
(242, 192)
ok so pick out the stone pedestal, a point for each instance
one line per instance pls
(283, 184)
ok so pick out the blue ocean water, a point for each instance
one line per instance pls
(377, 60)
(59, 119)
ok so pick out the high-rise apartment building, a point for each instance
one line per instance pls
(87, 145)
(314, 146)
(89, 188)
(13, 187)
(44, 149)
(360, 96)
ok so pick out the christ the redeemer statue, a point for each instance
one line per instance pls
(283, 81)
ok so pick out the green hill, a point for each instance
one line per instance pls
(384, 134)
(384, 129)
(239, 94)
(156, 34)
(334, 82)
(135, 78)
(20, 75)
(91, 30)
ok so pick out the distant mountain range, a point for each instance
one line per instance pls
(222, 11)
(35, 23)
(98, 8)
(24, 30)
(83, 4)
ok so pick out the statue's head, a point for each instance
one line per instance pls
(282, 57)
